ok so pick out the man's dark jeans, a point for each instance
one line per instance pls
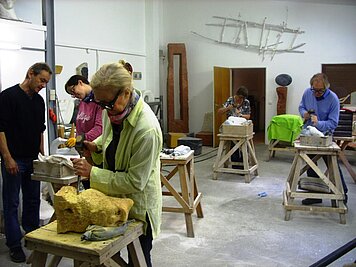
(30, 201)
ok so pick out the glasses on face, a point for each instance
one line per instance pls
(108, 105)
(318, 90)
(70, 90)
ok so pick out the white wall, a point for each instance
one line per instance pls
(330, 37)
(97, 32)
(142, 27)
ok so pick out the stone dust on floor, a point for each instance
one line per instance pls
(240, 228)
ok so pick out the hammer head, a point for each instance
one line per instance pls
(311, 111)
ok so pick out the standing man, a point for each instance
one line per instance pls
(325, 116)
(22, 123)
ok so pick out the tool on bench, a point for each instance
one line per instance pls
(79, 146)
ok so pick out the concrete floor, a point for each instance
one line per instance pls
(241, 229)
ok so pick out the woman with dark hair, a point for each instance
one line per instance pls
(237, 106)
(88, 119)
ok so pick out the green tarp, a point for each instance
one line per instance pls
(286, 127)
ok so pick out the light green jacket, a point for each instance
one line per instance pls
(137, 164)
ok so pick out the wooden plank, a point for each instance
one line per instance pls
(177, 196)
(69, 245)
(316, 195)
(315, 208)
(137, 257)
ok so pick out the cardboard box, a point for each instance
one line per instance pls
(241, 130)
(57, 170)
(316, 141)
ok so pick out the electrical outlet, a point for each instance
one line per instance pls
(137, 75)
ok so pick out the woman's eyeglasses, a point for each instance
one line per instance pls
(70, 90)
(108, 105)
(318, 90)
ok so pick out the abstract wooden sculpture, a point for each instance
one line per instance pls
(283, 80)
(282, 100)
(181, 124)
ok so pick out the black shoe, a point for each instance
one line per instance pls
(17, 255)
(311, 201)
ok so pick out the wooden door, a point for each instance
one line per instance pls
(342, 79)
(254, 79)
(222, 90)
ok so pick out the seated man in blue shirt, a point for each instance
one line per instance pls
(325, 116)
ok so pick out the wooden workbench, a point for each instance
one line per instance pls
(331, 178)
(245, 144)
(189, 198)
(46, 240)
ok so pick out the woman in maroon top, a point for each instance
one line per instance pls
(88, 120)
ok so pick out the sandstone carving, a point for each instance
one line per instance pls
(74, 212)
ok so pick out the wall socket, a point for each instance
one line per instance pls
(137, 75)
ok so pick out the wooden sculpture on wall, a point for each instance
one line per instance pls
(181, 124)
(283, 80)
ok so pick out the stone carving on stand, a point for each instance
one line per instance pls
(283, 80)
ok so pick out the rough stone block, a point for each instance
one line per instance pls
(74, 212)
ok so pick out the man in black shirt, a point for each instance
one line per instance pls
(22, 123)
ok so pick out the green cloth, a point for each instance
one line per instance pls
(137, 160)
(286, 127)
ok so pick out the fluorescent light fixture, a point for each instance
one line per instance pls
(9, 46)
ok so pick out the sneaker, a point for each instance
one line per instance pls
(17, 255)
(311, 201)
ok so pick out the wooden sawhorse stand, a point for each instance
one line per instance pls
(343, 143)
(245, 144)
(332, 181)
(189, 198)
(46, 240)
